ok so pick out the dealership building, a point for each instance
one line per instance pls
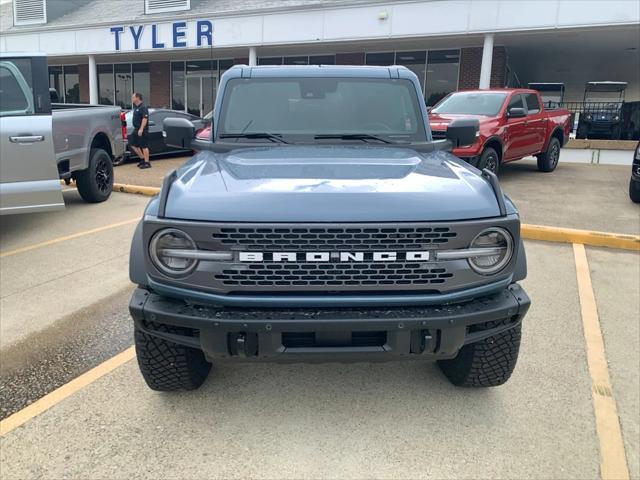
(174, 51)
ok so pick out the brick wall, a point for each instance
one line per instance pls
(355, 58)
(471, 61)
(160, 84)
(83, 74)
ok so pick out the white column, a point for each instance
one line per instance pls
(253, 57)
(487, 57)
(93, 81)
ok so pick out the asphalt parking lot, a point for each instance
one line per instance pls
(65, 311)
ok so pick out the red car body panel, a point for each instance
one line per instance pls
(518, 137)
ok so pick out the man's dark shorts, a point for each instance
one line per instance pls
(139, 141)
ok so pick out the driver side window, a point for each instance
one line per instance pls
(515, 102)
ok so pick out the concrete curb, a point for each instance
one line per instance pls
(136, 189)
(529, 232)
(585, 237)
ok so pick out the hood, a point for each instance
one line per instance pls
(328, 184)
(441, 121)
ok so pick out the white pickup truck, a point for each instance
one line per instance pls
(41, 143)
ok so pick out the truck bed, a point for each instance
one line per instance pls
(78, 128)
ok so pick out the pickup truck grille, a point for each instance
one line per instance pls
(334, 275)
(339, 238)
(439, 134)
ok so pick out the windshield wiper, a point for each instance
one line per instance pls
(274, 137)
(353, 136)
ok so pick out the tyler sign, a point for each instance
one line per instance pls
(182, 34)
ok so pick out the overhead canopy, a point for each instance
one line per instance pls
(606, 86)
(546, 86)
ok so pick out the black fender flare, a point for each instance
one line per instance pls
(520, 272)
(492, 139)
(137, 267)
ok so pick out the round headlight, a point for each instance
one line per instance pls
(164, 249)
(498, 246)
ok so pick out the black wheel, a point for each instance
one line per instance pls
(489, 160)
(167, 366)
(96, 182)
(487, 363)
(634, 190)
(548, 161)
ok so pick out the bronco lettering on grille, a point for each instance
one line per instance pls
(386, 256)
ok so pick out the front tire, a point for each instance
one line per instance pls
(167, 366)
(96, 182)
(489, 160)
(487, 363)
(634, 191)
(548, 161)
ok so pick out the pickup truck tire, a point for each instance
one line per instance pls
(634, 191)
(489, 160)
(487, 363)
(548, 161)
(167, 366)
(96, 182)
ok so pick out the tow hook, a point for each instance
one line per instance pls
(243, 345)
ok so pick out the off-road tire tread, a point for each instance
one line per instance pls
(487, 363)
(167, 366)
(634, 191)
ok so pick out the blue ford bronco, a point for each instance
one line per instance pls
(321, 222)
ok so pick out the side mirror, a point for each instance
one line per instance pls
(463, 132)
(516, 112)
(178, 132)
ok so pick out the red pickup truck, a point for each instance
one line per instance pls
(513, 124)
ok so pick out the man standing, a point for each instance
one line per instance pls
(139, 139)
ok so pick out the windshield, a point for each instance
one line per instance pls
(305, 108)
(471, 103)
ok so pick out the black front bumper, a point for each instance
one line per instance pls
(330, 334)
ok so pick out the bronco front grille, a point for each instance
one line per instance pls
(324, 238)
(333, 275)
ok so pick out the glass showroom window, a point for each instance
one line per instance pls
(66, 80)
(71, 84)
(416, 62)
(117, 82)
(322, 59)
(270, 61)
(56, 81)
(178, 91)
(105, 85)
(194, 84)
(124, 85)
(142, 81)
(442, 74)
(383, 59)
(304, 60)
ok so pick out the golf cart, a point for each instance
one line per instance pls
(552, 93)
(602, 110)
